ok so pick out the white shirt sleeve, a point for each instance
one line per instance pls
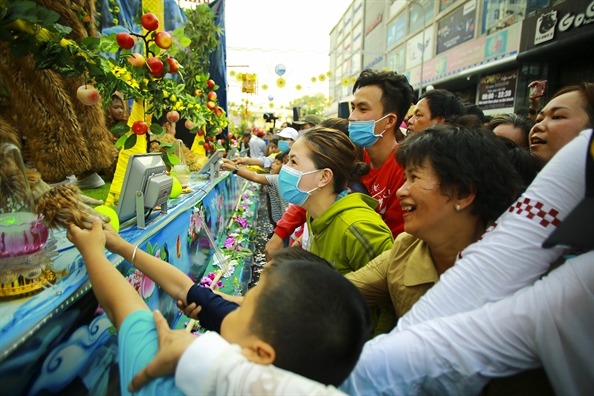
(212, 366)
(509, 256)
(550, 323)
(266, 161)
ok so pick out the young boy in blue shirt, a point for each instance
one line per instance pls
(302, 317)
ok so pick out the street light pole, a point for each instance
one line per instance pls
(422, 47)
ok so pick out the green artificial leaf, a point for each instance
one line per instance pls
(194, 130)
(92, 43)
(47, 17)
(167, 145)
(121, 141)
(24, 10)
(201, 143)
(185, 41)
(173, 159)
(62, 30)
(157, 130)
(130, 142)
(120, 129)
(178, 33)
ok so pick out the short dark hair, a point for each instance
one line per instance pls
(247, 134)
(472, 109)
(275, 140)
(522, 123)
(333, 149)
(281, 156)
(315, 319)
(467, 160)
(443, 103)
(397, 93)
(526, 163)
(340, 124)
(296, 254)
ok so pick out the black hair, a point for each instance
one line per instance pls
(296, 254)
(315, 319)
(526, 163)
(443, 103)
(281, 155)
(275, 140)
(247, 134)
(522, 123)
(340, 124)
(332, 149)
(397, 93)
(467, 160)
(472, 109)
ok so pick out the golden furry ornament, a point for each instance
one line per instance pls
(62, 136)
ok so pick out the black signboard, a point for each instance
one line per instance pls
(497, 91)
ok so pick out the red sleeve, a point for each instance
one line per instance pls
(294, 216)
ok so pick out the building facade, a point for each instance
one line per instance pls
(486, 51)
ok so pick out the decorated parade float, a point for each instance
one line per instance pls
(63, 60)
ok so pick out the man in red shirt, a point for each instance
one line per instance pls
(382, 97)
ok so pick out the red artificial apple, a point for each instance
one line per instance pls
(88, 94)
(173, 116)
(213, 138)
(211, 105)
(150, 21)
(189, 124)
(212, 95)
(207, 146)
(173, 65)
(198, 92)
(210, 84)
(218, 111)
(163, 40)
(139, 127)
(155, 66)
(136, 59)
(230, 136)
(125, 40)
(200, 132)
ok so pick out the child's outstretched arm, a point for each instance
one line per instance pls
(243, 172)
(169, 278)
(117, 297)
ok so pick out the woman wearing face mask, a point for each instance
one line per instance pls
(570, 111)
(344, 228)
(435, 107)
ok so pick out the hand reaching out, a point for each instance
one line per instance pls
(191, 311)
(88, 242)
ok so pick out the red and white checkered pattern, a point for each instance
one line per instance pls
(537, 211)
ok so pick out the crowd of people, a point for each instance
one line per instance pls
(433, 251)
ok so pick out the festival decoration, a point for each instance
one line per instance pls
(248, 83)
(345, 81)
(280, 69)
(280, 82)
(298, 87)
(264, 87)
(314, 79)
(322, 77)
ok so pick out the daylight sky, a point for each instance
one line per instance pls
(263, 33)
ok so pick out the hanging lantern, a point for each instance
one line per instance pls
(264, 87)
(298, 87)
(270, 98)
(280, 69)
(232, 73)
(314, 79)
(322, 77)
(329, 73)
(248, 83)
(346, 82)
(281, 82)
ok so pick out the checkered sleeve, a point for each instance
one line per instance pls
(509, 255)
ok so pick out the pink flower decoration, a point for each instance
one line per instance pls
(147, 287)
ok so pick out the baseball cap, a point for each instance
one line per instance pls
(309, 119)
(577, 230)
(289, 132)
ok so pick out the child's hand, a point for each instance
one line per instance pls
(228, 165)
(191, 311)
(88, 242)
(172, 344)
(113, 240)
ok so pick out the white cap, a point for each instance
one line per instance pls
(289, 132)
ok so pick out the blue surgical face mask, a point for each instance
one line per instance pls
(283, 145)
(288, 184)
(362, 132)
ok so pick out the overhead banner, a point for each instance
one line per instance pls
(456, 28)
(497, 91)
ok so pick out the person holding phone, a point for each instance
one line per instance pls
(537, 90)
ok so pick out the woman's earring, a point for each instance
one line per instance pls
(457, 207)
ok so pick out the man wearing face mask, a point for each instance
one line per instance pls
(286, 138)
(381, 102)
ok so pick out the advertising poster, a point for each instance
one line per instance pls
(415, 46)
(456, 28)
(395, 31)
(416, 11)
(395, 60)
(497, 91)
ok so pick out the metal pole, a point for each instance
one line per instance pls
(422, 48)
